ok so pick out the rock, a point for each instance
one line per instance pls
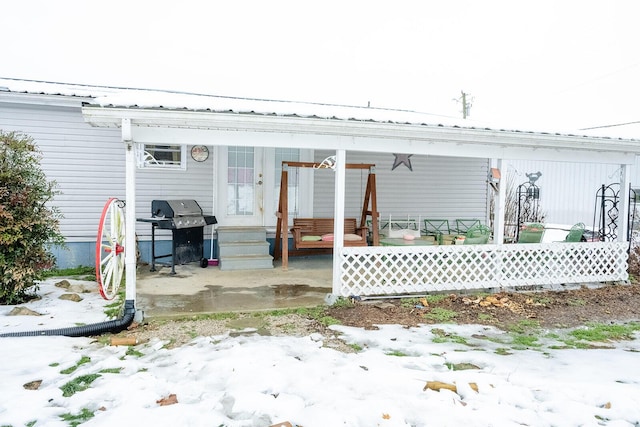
(331, 299)
(384, 305)
(77, 288)
(23, 311)
(317, 337)
(63, 284)
(70, 297)
(32, 385)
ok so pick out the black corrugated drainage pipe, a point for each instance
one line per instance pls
(113, 326)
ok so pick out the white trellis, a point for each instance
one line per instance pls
(391, 270)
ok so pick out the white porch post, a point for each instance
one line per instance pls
(338, 218)
(623, 204)
(130, 212)
(499, 208)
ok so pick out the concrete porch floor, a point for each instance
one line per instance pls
(195, 290)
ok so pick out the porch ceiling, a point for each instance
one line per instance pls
(252, 129)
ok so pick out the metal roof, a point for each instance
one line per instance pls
(151, 99)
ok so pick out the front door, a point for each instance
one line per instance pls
(241, 187)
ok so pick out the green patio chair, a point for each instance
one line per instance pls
(531, 233)
(477, 235)
(575, 234)
(434, 227)
(437, 228)
(464, 225)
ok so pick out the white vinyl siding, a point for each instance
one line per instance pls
(568, 190)
(438, 187)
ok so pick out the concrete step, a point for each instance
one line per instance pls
(246, 262)
(249, 247)
(235, 234)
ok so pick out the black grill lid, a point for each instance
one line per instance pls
(175, 208)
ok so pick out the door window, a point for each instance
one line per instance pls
(240, 181)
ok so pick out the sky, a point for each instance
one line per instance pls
(531, 64)
(253, 380)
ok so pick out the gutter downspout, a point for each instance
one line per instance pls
(113, 326)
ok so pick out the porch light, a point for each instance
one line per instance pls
(495, 175)
(494, 178)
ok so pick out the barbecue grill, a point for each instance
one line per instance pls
(185, 220)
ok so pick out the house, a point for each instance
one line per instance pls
(227, 153)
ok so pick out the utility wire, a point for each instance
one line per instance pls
(611, 126)
(177, 92)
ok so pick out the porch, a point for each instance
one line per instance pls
(376, 270)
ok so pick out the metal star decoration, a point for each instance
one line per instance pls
(402, 159)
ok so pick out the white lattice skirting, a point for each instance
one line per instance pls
(402, 270)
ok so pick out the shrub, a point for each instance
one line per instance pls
(634, 261)
(28, 224)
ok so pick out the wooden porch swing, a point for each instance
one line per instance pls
(307, 232)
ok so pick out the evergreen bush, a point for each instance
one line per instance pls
(29, 225)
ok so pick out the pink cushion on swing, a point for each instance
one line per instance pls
(352, 237)
(327, 237)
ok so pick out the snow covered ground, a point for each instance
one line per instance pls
(252, 380)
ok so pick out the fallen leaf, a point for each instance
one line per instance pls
(438, 385)
(492, 300)
(169, 400)
(606, 405)
(424, 302)
(133, 325)
(386, 416)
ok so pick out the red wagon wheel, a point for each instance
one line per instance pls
(110, 248)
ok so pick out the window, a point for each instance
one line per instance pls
(240, 181)
(161, 156)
